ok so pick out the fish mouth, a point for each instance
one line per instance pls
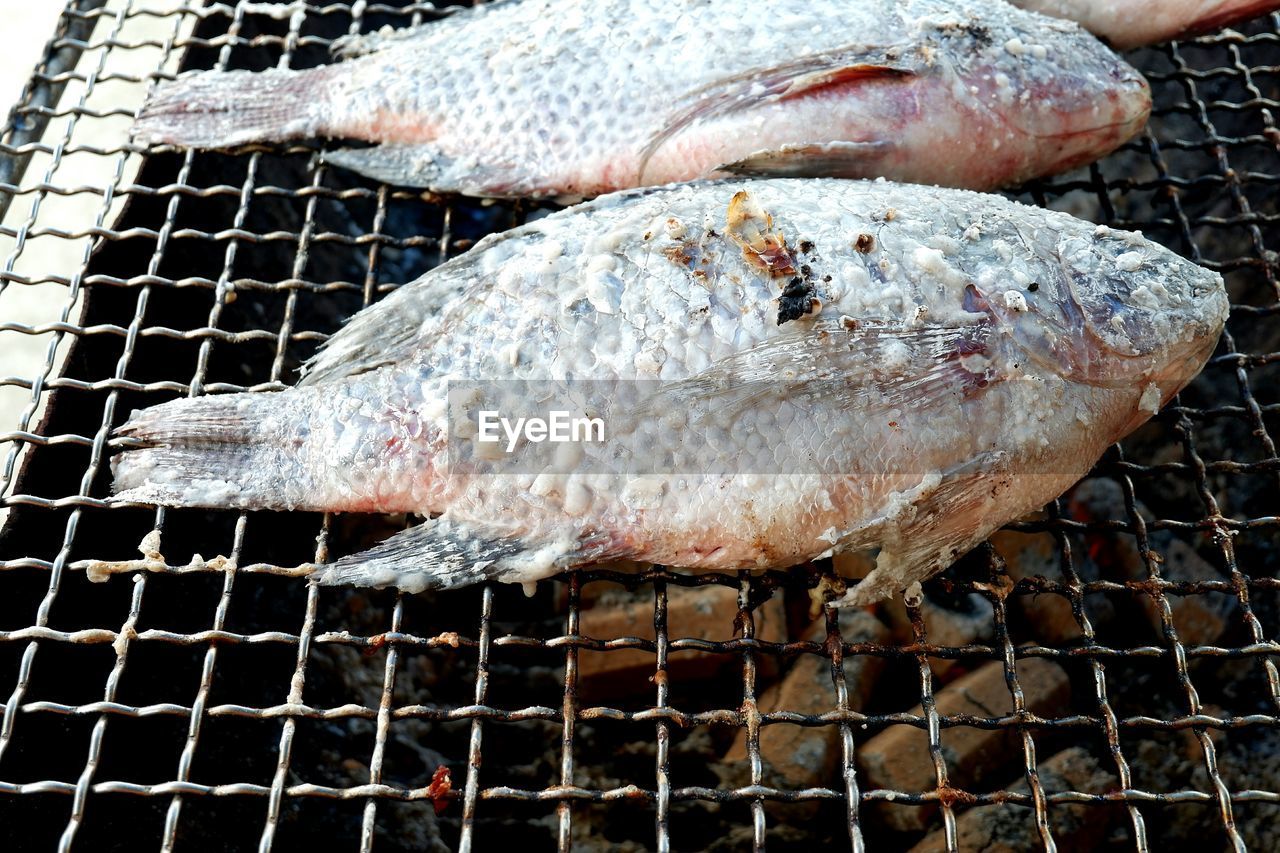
(1122, 129)
(1129, 99)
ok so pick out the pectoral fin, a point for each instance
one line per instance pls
(802, 77)
(813, 160)
(867, 367)
(941, 524)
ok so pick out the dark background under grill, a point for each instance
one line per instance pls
(219, 710)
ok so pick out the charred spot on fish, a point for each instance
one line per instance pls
(678, 255)
(826, 278)
(806, 271)
(1033, 287)
(751, 227)
(797, 300)
(956, 29)
(806, 246)
(865, 244)
(979, 33)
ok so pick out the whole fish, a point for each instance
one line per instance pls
(783, 369)
(574, 98)
(1133, 23)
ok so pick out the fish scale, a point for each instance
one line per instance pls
(993, 356)
(573, 98)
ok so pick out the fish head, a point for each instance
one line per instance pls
(1114, 310)
(1049, 81)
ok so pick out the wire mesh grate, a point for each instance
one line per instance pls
(1102, 674)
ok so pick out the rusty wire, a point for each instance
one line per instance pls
(1204, 174)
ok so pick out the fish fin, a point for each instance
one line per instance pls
(925, 544)
(837, 363)
(446, 553)
(425, 166)
(214, 109)
(813, 160)
(801, 77)
(388, 331)
(227, 450)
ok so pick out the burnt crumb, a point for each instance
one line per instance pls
(796, 301)
(826, 278)
(806, 246)
(865, 243)
(806, 271)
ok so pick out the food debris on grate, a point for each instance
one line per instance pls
(1101, 675)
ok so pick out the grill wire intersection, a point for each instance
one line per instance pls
(223, 701)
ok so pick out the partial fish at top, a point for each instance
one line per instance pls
(573, 98)
(784, 369)
(1133, 23)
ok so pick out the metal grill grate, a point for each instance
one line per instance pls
(223, 703)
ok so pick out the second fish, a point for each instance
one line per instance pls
(572, 98)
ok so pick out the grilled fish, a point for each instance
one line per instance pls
(784, 369)
(573, 98)
(1133, 23)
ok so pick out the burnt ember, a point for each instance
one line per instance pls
(1100, 674)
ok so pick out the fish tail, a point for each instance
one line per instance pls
(237, 450)
(213, 109)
